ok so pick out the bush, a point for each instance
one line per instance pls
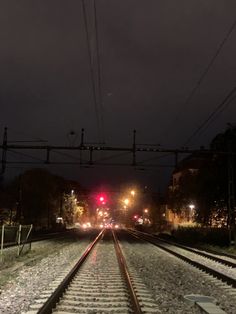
(197, 235)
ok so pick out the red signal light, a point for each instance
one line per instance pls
(102, 199)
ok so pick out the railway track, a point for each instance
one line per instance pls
(220, 267)
(99, 283)
(225, 259)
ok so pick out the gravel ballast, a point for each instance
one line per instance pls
(26, 284)
(166, 277)
(170, 279)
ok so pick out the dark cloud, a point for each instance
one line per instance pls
(152, 55)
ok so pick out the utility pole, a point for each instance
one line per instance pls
(134, 148)
(231, 199)
(81, 145)
(19, 202)
(4, 151)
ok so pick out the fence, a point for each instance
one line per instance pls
(16, 238)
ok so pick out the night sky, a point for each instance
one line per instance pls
(152, 54)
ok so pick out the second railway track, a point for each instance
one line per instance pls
(219, 268)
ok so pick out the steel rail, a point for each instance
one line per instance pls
(48, 306)
(197, 251)
(124, 270)
(224, 278)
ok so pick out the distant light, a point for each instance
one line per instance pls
(140, 221)
(191, 206)
(101, 199)
(59, 220)
(126, 201)
(146, 210)
(132, 192)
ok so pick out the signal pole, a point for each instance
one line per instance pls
(134, 148)
(4, 151)
(231, 199)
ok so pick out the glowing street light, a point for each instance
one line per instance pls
(191, 212)
(132, 192)
(126, 201)
(146, 210)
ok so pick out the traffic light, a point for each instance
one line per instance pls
(102, 199)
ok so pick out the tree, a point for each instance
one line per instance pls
(209, 185)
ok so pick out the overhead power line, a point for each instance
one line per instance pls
(212, 60)
(205, 72)
(100, 98)
(219, 109)
(218, 113)
(92, 73)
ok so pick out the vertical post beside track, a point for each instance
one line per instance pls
(2, 241)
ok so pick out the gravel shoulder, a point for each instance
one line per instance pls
(170, 279)
(24, 280)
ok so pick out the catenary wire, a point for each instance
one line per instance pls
(68, 155)
(205, 72)
(25, 155)
(113, 156)
(100, 98)
(217, 115)
(91, 70)
(208, 120)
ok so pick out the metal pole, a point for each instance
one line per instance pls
(82, 137)
(231, 215)
(91, 156)
(134, 148)
(18, 240)
(81, 145)
(4, 151)
(2, 241)
(19, 203)
(26, 239)
(48, 156)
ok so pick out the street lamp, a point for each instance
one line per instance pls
(132, 192)
(191, 206)
(126, 201)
